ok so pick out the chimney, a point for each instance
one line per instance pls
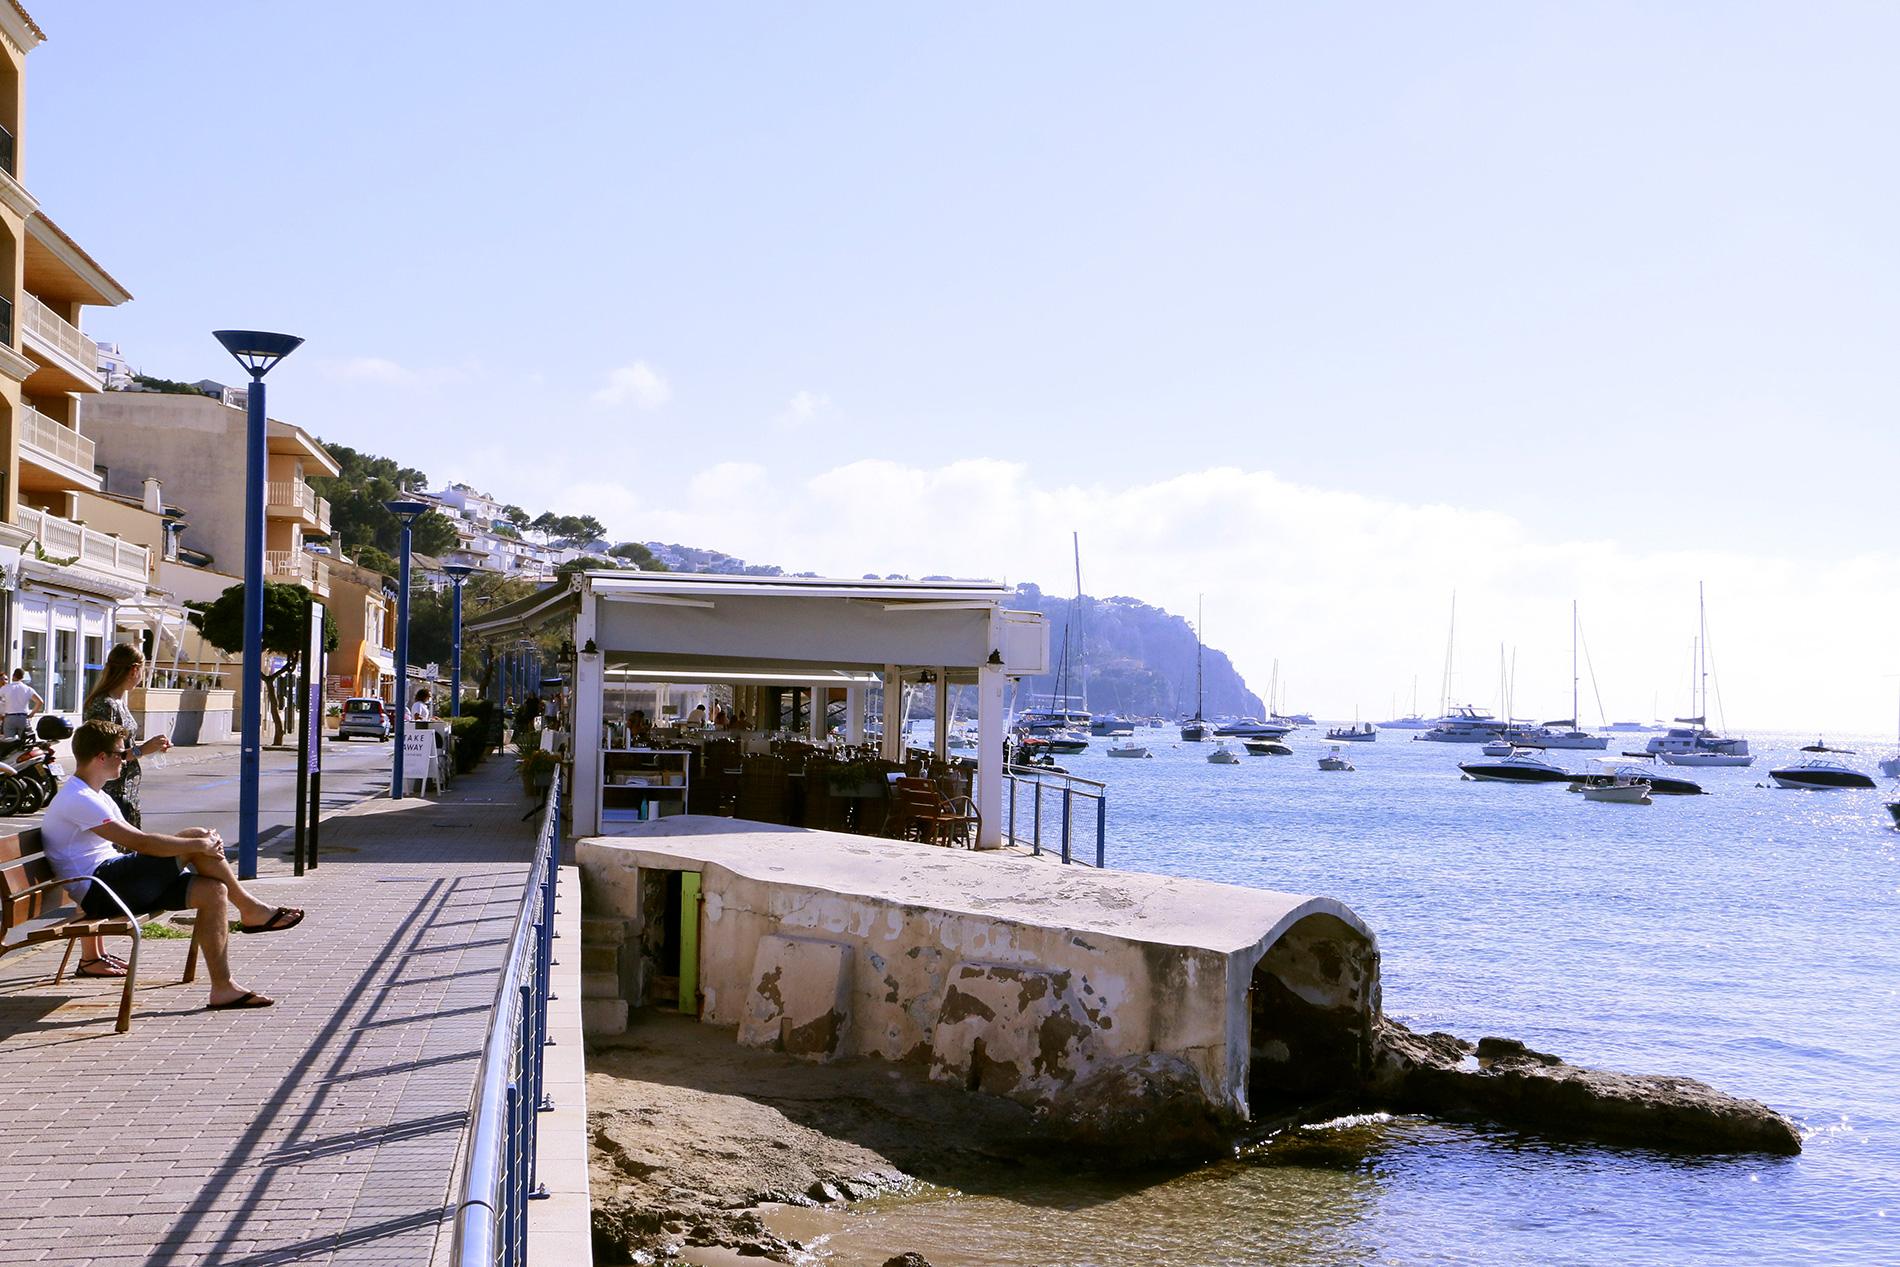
(154, 495)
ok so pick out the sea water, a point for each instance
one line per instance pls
(1749, 938)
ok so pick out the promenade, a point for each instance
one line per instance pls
(323, 1129)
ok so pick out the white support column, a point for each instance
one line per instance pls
(815, 724)
(892, 745)
(590, 678)
(854, 714)
(989, 754)
(942, 709)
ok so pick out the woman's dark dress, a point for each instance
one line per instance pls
(125, 788)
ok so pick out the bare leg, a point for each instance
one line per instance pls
(217, 867)
(214, 936)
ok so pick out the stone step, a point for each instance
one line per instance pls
(600, 985)
(603, 932)
(603, 1016)
(600, 958)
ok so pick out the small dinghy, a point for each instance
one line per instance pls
(1618, 791)
(1333, 761)
(1223, 755)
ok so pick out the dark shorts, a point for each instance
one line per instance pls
(144, 883)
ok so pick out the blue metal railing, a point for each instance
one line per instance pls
(498, 1177)
(1066, 789)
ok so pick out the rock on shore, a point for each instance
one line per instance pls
(1502, 1079)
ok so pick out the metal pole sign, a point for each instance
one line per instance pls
(310, 740)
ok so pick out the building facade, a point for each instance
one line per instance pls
(64, 569)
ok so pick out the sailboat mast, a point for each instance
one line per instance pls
(1575, 723)
(1081, 643)
(1197, 657)
(1702, 642)
(1444, 694)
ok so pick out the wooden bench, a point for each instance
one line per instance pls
(923, 812)
(34, 909)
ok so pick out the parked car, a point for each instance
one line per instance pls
(367, 718)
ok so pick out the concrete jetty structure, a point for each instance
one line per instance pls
(1060, 987)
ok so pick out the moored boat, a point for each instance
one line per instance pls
(1134, 750)
(1820, 774)
(1223, 755)
(1360, 733)
(1660, 784)
(1333, 761)
(1266, 748)
(1519, 767)
(1619, 791)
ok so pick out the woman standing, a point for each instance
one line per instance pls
(125, 669)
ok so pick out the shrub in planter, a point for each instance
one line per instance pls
(468, 734)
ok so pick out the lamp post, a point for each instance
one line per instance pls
(258, 352)
(408, 512)
(458, 573)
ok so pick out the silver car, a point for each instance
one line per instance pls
(365, 717)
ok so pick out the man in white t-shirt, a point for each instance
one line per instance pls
(18, 702)
(419, 712)
(84, 834)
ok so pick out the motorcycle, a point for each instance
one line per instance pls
(29, 772)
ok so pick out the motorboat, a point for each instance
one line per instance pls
(1266, 748)
(1618, 791)
(1709, 758)
(1251, 728)
(1333, 761)
(1519, 767)
(1500, 748)
(1110, 726)
(1893, 810)
(1067, 741)
(1556, 734)
(1412, 722)
(1223, 755)
(1361, 733)
(1128, 750)
(1660, 784)
(1291, 721)
(1464, 724)
(1820, 774)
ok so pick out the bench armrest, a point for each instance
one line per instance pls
(74, 879)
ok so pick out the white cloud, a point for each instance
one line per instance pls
(384, 372)
(802, 408)
(639, 385)
(1349, 593)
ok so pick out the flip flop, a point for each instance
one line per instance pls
(248, 999)
(111, 966)
(280, 919)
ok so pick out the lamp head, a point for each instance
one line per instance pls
(257, 350)
(459, 571)
(406, 510)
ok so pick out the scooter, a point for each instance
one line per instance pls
(31, 765)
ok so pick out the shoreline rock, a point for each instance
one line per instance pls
(1501, 1079)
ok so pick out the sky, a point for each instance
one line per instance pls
(1322, 312)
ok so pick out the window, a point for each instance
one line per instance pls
(95, 662)
(33, 658)
(65, 670)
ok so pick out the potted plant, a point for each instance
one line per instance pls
(537, 770)
(860, 776)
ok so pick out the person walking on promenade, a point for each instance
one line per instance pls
(85, 834)
(125, 669)
(18, 702)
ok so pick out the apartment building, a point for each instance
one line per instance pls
(363, 603)
(63, 577)
(195, 445)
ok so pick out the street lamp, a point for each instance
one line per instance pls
(458, 573)
(258, 352)
(408, 512)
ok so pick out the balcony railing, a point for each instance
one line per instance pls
(291, 495)
(55, 440)
(323, 514)
(65, 541)
(292, 567)
(53, 330)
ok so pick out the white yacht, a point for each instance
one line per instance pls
(1223, 755)
(1131, 750)
(1464, 724)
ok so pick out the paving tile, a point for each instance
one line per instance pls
(323, 1129)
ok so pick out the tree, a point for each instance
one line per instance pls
(514, 515)
(358, 516)
(546, 526)
(638, 555)
(586, 563)
(374, 559)
(285, 628)
(434, 533)
(581, 529)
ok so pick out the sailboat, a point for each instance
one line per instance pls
(1561, 734)
(1411, 721)
(1690, 741)
(1196, 730)
(1460, 723)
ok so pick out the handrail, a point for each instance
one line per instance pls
(1071, 786)
(499, 1154)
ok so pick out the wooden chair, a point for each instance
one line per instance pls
(923, 812)
(34, 909)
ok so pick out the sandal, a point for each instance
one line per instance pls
(248, 999)
(103, 966)
(280, 919)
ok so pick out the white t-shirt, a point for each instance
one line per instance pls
(421, 712)
(69, 832)
(16, 697)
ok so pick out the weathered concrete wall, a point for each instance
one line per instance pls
(1013, 976)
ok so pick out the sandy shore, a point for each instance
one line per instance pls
(692, 1133)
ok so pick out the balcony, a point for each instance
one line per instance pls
(60, 452)
(67, 358)
(294, 499)
(290, 567)
(66, 542)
